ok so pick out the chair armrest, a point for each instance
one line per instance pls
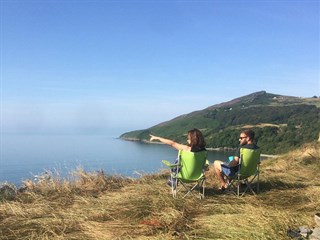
(169, 164)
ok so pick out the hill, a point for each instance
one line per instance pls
(96, 206)
(281, 122)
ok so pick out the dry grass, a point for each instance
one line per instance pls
(96, 206)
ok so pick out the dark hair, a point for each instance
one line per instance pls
(197, 142)
(249, 133)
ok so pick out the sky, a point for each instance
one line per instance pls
(99, 66)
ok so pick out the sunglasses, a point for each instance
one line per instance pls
(242, 138)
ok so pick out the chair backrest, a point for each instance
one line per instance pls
(250, 158)
(192, 165)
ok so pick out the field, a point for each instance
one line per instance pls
(96, 206)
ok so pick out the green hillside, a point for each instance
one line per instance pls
(281, 122)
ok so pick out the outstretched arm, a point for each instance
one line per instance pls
(176, 145)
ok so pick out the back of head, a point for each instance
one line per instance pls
(197, 142)
(249, 133)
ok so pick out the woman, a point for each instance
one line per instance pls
(195, 141)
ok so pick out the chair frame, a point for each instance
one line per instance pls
(189, 185)
(235, 182)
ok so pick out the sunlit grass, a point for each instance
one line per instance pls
(99, 206)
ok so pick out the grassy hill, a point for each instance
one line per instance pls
(96, 206)
(281, 122)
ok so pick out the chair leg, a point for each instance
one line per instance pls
(258, 184)
(189, 190)
(203, 187)
(198, 185)
(174, 185)
(231, 186)
(201, 184)
(249, 184)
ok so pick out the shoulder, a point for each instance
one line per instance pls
(185, 148)
(198, 149)
(250, 146)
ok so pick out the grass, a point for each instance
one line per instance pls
(98, 206)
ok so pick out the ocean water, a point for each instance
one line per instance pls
(25, 156)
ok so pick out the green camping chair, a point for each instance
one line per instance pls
(248, 171)
(189, 172)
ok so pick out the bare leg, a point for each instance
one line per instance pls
(218, 171)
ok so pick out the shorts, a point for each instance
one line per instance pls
(229, 171)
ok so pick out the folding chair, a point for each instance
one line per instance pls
(189, 172)
(248, 171)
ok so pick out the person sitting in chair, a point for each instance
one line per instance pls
(195, 143)
(221, 168)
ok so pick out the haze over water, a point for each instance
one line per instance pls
(24, 156)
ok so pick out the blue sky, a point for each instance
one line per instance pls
(115, 66)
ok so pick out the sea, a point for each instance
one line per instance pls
(27, 156)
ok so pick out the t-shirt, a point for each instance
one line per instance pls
(197, 149)
(248, 146)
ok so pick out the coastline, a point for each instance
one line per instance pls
(219, 149)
